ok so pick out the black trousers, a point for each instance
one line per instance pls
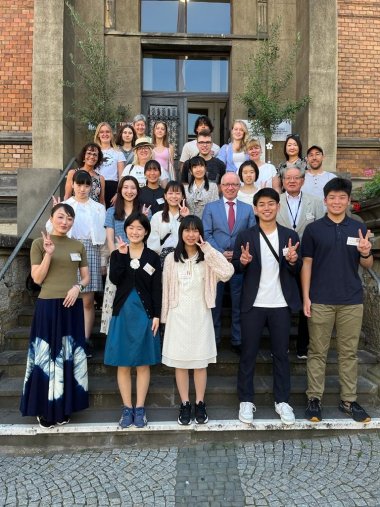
(303, 330)
(109, 192)
(252, 325)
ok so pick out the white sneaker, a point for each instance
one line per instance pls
(246, 412)
(285, 411)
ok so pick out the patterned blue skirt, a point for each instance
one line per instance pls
(56, 381)
(130, 341)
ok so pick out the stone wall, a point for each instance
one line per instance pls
(13, 294)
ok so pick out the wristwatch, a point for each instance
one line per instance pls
(80, 286)
(366, 256)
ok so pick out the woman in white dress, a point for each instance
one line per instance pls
(190, 276)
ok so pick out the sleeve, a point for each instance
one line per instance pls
(154, 237)
(165, 287)
(157, 286)
(120, 157)
(251, 218)
(110, 218)
(83, 255)
(239, 268)
(36, 252)
(214, 193)
(222, 155)
(208, 228)
(307, 245)
(185, 155)
(118, 267)
(218, 263)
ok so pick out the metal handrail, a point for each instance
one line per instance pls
(31, 226)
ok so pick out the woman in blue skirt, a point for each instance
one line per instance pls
(133, 338)
(56, 382)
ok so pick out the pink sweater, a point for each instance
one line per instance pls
(218, 269)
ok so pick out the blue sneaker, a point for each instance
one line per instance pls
(140, 417)
(126, 419)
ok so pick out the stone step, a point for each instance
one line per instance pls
(12, 364)
(221, 391)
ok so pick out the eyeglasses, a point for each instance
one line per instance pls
(231, 185)
(293, 178)
(92, 154)
(204, 143)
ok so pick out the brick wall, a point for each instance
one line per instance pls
(16, 56)
(358, 80)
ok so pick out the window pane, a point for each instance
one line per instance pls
(159, 74)
(208, 17)
(201, 75)
(159, 16)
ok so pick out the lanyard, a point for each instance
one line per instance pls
(294, 218)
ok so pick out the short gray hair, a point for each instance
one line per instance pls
(292, 166)
(139, 117)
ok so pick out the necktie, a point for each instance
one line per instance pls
(231, 215)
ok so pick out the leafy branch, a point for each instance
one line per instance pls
(267, 76)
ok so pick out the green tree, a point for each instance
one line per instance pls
(94, 77)
(267, 77)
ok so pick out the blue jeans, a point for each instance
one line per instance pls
(235, 287)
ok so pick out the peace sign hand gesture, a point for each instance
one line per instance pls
(145, 210)
(201, 243)
(245, 257)
(183, 209)
(364, 245)
(48, 244)
(292, 255)
(122, 245)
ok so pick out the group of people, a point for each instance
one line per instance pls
(166, 247)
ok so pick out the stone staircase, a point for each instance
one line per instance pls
(8, 202)
(162, 401)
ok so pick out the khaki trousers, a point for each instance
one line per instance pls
(348, 322)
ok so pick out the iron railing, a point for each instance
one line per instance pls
(32, 225)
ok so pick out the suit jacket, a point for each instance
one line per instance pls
(215, 224)
(311, 210)
(252, 272)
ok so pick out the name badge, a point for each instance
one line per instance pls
(285, 251)
(149, 269)
(160, 200)
(352, 241)
(310, 216)
(75, 257)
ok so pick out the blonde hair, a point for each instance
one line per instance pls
(136, 158)
(96, 135)
(243, 142)
(253, 143)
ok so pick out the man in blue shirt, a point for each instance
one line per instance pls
(332, 248)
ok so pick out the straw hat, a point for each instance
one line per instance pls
(143, 141)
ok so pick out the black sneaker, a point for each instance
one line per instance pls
(355, 411)
(313, 411)
(44, 423)
(64, 421)
(200, 413)
(88, 348)
(184, 417)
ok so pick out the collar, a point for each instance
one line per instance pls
(296, 198)
(331, 223)
(226, 200)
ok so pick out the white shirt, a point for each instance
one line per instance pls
(159, 229)
(314, 183)
(270, 293)
(294, 208)
(227, 206)
(266, 173)
(108, 168)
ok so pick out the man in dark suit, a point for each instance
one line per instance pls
(267, 255)
(223, 220)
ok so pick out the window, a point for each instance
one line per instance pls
(206, 74)
(186, 16)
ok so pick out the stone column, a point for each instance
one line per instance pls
(317, 75)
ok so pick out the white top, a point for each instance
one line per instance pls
(266, 173)
(270, 293)
(247, 198)
(294, 205)
(190, 149)
(137, 171)
(227, 206)
(160, 229)
(314, 183)
(108, 168)
(238, 157)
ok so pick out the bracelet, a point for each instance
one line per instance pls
(366, 256)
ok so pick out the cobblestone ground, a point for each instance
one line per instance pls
(337, 471)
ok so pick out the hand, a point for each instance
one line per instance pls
(228, 255)
(113, 200)
(183, 210)
(201, 243)
(307, 307)
(245, 257)
(71, 296)
(49, 246)
(146, 210)
(292, 255)
(55, 200)
(122, 246)
(364, 245)
(155, 325)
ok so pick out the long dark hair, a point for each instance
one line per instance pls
(194, 162)
(119, 135)
(172, 185)
(119, 203)
(80, 158)
(190, 222)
